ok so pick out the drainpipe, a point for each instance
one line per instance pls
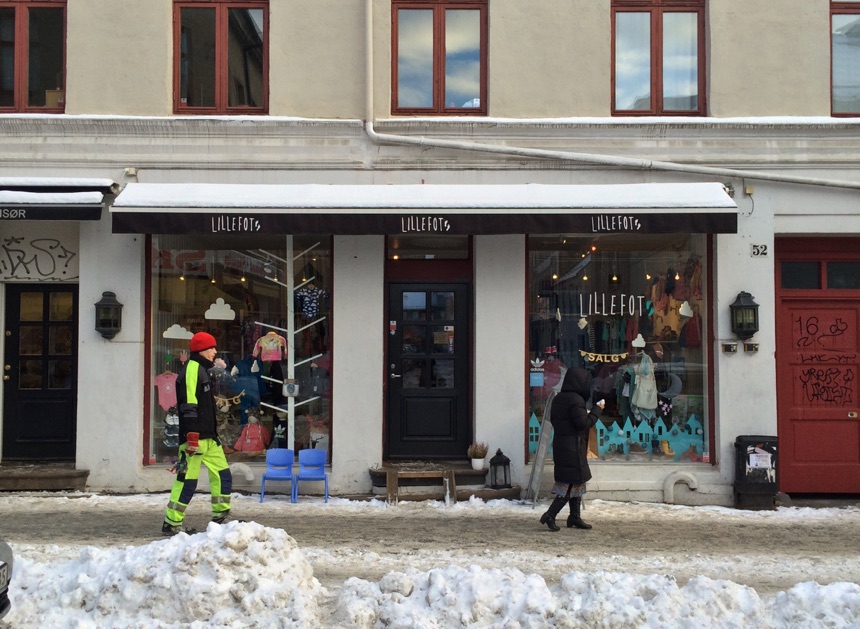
(673, 479)
(582, 158)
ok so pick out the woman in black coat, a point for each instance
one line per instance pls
(571, 422)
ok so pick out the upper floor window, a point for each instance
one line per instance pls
(221, 57)
(845, 56)
(32, 56)
(658, 57)
(439, 57)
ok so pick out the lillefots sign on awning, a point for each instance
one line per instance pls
(431, 209)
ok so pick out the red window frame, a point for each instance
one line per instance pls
(21, 68)
(840, 8)
(439, 7)
(221, 8)
(657, 8)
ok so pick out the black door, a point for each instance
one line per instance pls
(40, 371)
(428, 380)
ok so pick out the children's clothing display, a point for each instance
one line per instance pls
(254, 437)
(308, 300)
(165, 384)
(270, 347)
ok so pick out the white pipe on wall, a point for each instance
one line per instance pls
(584, 158)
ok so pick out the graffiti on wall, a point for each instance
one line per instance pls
(37, 259)
(827, 375)
(828, 385)
(811, 332)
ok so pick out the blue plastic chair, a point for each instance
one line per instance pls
(279, 466)
(311, 467)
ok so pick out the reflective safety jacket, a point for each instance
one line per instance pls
(195, 399)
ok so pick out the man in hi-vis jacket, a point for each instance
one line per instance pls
(198, 439)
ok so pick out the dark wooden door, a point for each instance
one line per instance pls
(427, 364)
(40, 371)
(818, 364)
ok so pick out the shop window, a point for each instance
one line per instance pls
(221, 57)
(632, 310)
(845, 57)
(32, 56)
(267, 302)
(658, 57)
(439, 57)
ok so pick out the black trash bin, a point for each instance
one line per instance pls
(755, 472)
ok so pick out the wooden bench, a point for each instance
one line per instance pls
(393, 476)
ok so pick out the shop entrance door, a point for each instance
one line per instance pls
(40, 372)
(428, 366)
(818, 364)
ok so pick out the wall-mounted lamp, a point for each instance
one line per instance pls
(744, 316)
(108, 315)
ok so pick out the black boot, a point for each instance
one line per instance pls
(573, 520)
(548, 518)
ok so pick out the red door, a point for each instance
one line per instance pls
(818, 368)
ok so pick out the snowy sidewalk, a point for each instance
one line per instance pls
(90, 561)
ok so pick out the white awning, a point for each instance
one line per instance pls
(53, 198)
(395, 209)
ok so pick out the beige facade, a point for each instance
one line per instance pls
(767, 135)
(547, 60)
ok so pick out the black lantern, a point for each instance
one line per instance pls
(108, 315)
(744, 316)
(500, 471)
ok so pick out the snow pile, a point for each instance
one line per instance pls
(238, 574)
(475, 597)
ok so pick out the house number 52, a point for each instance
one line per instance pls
(759, 251)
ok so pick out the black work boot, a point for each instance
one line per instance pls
(174, 529)
(225, 518)
(548, 518)
(574, 520)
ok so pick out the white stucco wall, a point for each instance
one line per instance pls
(111, 372)
(500, 352)
(358, 371)
(745, 386)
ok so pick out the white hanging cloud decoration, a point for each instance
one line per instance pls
(176, 331)
(220, 310)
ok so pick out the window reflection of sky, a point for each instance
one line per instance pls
(415, 58)
(462, 57)
(633, 61)
(846, 63)
(680, 56)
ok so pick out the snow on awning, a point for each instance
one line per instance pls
(398, 209)
(53, 198)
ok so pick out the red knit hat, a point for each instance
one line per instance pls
(202, 341)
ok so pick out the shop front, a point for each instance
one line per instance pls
(40, 245)
(365, 320)
(632, 309)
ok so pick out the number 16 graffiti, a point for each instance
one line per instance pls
(809, 331)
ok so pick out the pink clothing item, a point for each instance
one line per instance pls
(166, 385)
(270, 347)
(254, 438)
